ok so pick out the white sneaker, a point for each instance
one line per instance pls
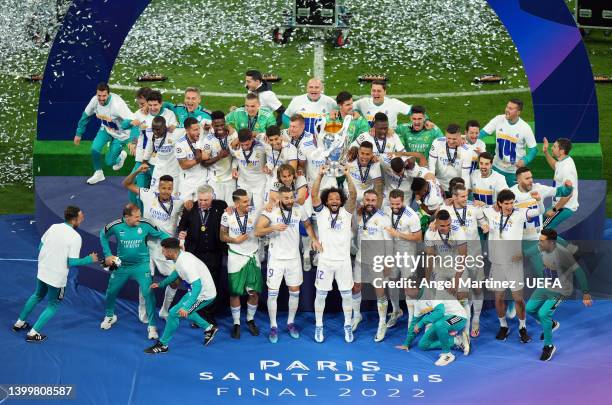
(122, 157)
(108, 322)
(163, 314)
(97, 177)
(465, 337)
(381, 332)
(153, 333)
(445, 359)
(356, 320)
(319, 338)
(348, 334)
(393, 318)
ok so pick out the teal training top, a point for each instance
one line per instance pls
(131, 240)
(182, 113)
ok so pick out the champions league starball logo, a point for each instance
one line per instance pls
(314, 378)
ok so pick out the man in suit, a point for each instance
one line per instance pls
(199, 229)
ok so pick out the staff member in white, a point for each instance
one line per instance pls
(313, 105)
(565, 169)
(449, 159)
(220, 162)
(112, 111)
(161, 153)
(505, 229)
(164, 210)
(248, 166)
(190, 155)
(378, 102)
(515, 144)
(372, 225)
(334, 213)
(243, 268)
(282, 225)
(202, 292)
(487, 183)
(405, 230)
(59, 248)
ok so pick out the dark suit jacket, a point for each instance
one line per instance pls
(198, 242)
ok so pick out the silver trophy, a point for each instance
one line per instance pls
(335, 141)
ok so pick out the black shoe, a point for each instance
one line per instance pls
(253, 328)
(548, 352)
(525, 338)
(555, 326)
(37, 338)
(503, 333)
(235, 331)
(194, 325)
(21, 328)
(209, 335)
(157, 348)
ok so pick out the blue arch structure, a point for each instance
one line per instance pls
(544, 32)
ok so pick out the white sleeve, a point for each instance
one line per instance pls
(225, 220)
(268, 98)
(74, 249)
(357, 105)
(90, 109)
(401, 107)
(376, 173)
(303, 215)
(292, 153)
(547, 191)
(180, 151)
(123, 111)
(501, 184)
(291, 108)
(148, 151)
(433, 157)
(170, 118)
(491, 126)
(399, 146)
(530, 140)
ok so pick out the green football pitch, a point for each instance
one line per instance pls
(431, 52)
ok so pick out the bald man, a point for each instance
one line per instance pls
(312, 106)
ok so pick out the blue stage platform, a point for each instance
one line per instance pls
(109, 367)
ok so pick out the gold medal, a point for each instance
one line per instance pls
(203, 228)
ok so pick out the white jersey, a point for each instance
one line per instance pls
(312, 111)
(447, 163)
(59, 243)
(191, 269)
(566, 170)
(111, 115)
(185, 150)
(452, 307)
(467, 218)
(285, 244)
(161, 153)
(141, 143)
(560, 265)
(512, 141)
(445, 246)
(275, 158)
(298, 183)
(222, 170)
(390, 144)
(146, 126)
(481, 147)
(510, 231)
(523, 199)
(485, 189)
(374, 229)
(407, 221)
(230, 221)
(434, 197)
(404, 182)
(268, 99)
(163, 214)
(364, 176)
(335, 233)
(250, 164)
(390, 106)
(305, 143)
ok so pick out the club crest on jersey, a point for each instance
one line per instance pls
(139, 230)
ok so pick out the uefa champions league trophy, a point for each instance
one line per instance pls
(335, 145)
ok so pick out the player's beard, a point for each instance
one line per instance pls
(370, 208)
(397, 210)
(286, 207)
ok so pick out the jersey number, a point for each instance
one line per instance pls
(506, 148)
